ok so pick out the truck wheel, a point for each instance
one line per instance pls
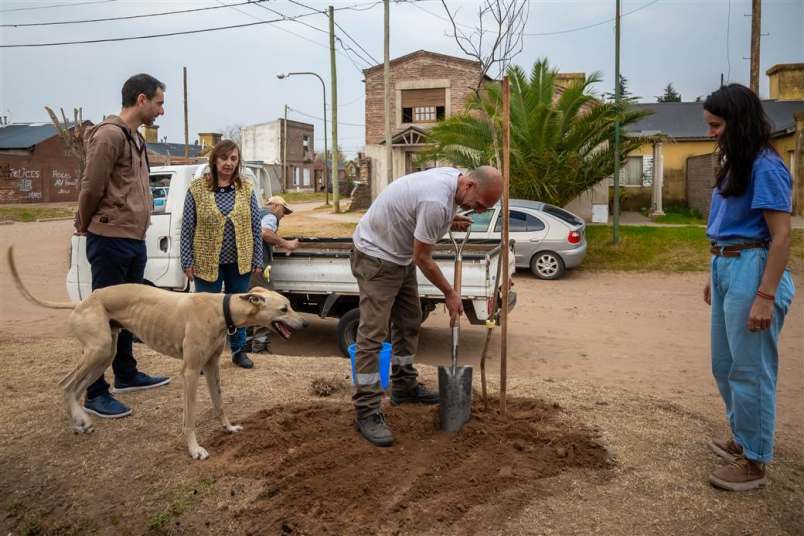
(347, 330)
(547, 265)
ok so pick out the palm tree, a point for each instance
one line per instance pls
(562, 141)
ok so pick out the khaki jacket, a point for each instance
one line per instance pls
(115, 197)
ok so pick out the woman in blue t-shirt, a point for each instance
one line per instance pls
(750, 289)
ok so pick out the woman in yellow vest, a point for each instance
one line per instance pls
(220, 233)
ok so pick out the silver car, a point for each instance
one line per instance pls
(548, 240)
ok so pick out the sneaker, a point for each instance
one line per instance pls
(107, 407)
(374, 429)
(419, 395)
(138, 382)
(728, 449)
(740, 475)
(242, 360)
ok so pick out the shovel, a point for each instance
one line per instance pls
(454, 382)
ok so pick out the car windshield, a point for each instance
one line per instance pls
(480, 222)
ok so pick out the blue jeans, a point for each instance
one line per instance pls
(116, 261)
(745, 363)
(233, 283)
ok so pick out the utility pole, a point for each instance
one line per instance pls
(617, 97)
(285, 149)
(389, 153)
(756, 29)
(336, 197)
(186, 120)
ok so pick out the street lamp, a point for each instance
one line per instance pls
(282, 76)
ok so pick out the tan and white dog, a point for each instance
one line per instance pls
(187, 326)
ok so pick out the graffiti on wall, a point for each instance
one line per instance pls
(63, 182)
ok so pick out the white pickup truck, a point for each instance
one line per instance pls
(316, 278)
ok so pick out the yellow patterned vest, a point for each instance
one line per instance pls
(209, 227)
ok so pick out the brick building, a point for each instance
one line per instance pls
(35, 166)
(425, 87)
(265, 143)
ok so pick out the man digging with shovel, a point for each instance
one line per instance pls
(392, 239)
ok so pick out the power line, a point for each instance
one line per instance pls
(321, 118)
(540, 34)
(728, 52)
(316, 28)
(56, 5)
(300, 36)
(107, 19)
(358, 44)
(152, 36)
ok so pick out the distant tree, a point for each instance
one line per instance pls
(232, 132)
(561, 144)
(71, 135)
(670, 94)
(625, 94)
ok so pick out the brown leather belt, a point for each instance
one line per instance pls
(733, 250)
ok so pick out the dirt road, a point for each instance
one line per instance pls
(646, 332)
(627, 353)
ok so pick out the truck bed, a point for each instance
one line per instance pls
(321, 266)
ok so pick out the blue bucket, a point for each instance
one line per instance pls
(385, 363)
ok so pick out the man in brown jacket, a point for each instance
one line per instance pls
(114, 210)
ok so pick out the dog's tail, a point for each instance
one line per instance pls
(24, 291)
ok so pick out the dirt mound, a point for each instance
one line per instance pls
(313, 474)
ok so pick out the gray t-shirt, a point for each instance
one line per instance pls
(418, 206)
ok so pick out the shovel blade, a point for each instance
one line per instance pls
(455, 394)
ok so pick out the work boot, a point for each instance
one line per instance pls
(374, 429)
(419, 395)
(242, 360)
(728, 449)
(741, 475)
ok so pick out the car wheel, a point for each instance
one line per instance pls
(547, 265)
(347, 330)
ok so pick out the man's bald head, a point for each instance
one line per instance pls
(483, 188)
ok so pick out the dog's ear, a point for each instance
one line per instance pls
(253, 298)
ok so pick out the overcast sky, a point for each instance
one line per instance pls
(232, 72)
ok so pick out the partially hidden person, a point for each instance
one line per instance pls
(275, 209)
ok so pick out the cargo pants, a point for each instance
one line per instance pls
(388, 293)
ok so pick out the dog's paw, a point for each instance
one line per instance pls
(233, 428)
(83, 426)
(199, 453)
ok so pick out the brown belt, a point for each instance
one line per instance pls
(733, 250)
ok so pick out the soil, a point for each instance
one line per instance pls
(317, 480)
(622, 356)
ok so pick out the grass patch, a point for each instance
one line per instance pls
(183, 499)
(680, 215)
(644, 248)
(33, 213)
(661, 249)
(325, 229)
(303, 197)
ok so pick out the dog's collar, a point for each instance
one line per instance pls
(227, 315)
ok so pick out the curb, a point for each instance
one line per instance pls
(65, 218)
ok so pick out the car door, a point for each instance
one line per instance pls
(527, 230)
(158, 241)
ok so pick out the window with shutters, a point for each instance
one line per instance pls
(423, 105)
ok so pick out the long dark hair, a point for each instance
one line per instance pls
(221, 149)
(747, 133)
